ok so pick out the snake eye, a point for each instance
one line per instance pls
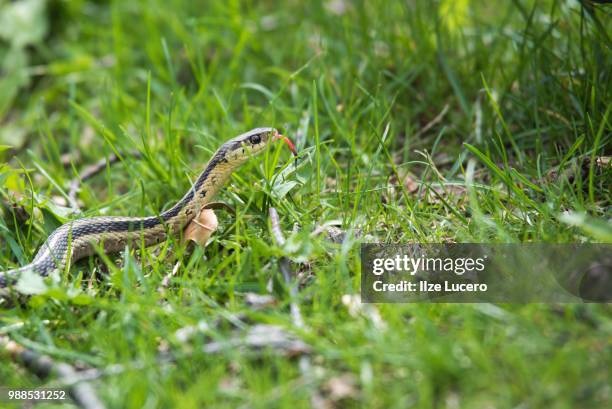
(255, 139)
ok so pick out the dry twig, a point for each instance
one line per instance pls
(81, 392)
(91, 171)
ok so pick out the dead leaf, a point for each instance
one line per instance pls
(263, 337)
(410, 183)
(184, 334)
(202, 227)
(337, 7)
(603, 161)
(229, 385)
(341, 387)
(259, 301)
(355, 307)
(59, 200)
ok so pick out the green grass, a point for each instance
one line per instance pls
(514, 158)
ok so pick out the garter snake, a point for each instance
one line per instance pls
(80, 238)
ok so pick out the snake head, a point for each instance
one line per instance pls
(256, 140)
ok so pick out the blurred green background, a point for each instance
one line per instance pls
(431, 121)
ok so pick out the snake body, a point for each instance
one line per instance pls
(82, 237)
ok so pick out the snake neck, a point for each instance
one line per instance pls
(211, 180)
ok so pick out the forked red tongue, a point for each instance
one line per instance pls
(289, 143)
